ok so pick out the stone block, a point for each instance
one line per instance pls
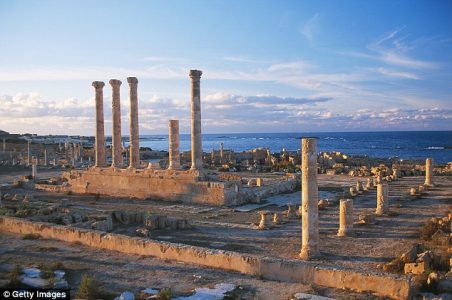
(415, 268)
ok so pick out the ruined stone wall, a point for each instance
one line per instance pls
(168, 185)
(396, 287)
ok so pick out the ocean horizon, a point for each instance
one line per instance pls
(380, 144)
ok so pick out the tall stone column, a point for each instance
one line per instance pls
(345, 217)
(28, 153)
(382, 199)
(310, 199)
(428, 172)
(134, 160)
(34, 168)
(196, 141)
(221, 153)
(100, 129)
(45, 156)
(116, 150)
(173, 139)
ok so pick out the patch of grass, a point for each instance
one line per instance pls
(164, 294)
(89, 289)
(31, 236)
(14, 275)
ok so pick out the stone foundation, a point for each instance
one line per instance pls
(168, 185)
(386, 285)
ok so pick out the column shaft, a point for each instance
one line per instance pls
(428, 172)
(100, 129)
(116, 127)
(309, 203)
(382, 199)
(345, 217)
(173, 139)
(134, 155)
(196, 141)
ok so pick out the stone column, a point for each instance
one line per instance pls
(100, 130)
(4, 145)
(310, 199)
(173, 139)
(34, 168)
(28, 153)
(382, 199)
(134, 141)
(221, 153)
(116, 150)
(345, 218)
(196, 141)
(45, 156)
(428, 172)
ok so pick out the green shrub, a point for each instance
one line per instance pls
(164, 294)
(31, 236)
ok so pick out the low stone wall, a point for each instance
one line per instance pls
(396, 287)
(52, 188)
(168, 185)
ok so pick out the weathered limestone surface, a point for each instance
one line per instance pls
(428, 172)
(167, 185)
(382, 199)
(116, 128)
(310, 199)
(345, 217)
(386, 285)
(100, 130)
(196, 141)
(134, 133)
(173, 140)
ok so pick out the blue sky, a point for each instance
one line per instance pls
(269, 66)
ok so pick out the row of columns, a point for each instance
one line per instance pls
(173, 128)
(100, 157)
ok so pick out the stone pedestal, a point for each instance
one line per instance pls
(382, 199)
(173, 140)
(196, 141)
(428, 172)
(310, 199)
(100, 130)
(345, 217)
(116, 142)
(134, 160)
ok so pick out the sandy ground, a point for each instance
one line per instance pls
(118, 272)
(223, 228)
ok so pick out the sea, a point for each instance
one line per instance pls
(404, 144)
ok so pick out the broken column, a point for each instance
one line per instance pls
(116, 150)
(310, 198)
(173, 139)
(196, 141)
(428, 172)
(134, 135)
(34, 168)
(345, 217)
(100, 132)
(382, 199)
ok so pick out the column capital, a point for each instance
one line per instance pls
(115, 82)
(195, 74)
(98, 84)
(132, 80)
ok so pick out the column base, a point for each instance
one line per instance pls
(307, 254)
(345, 232)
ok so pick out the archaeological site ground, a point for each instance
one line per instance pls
(124, 222)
